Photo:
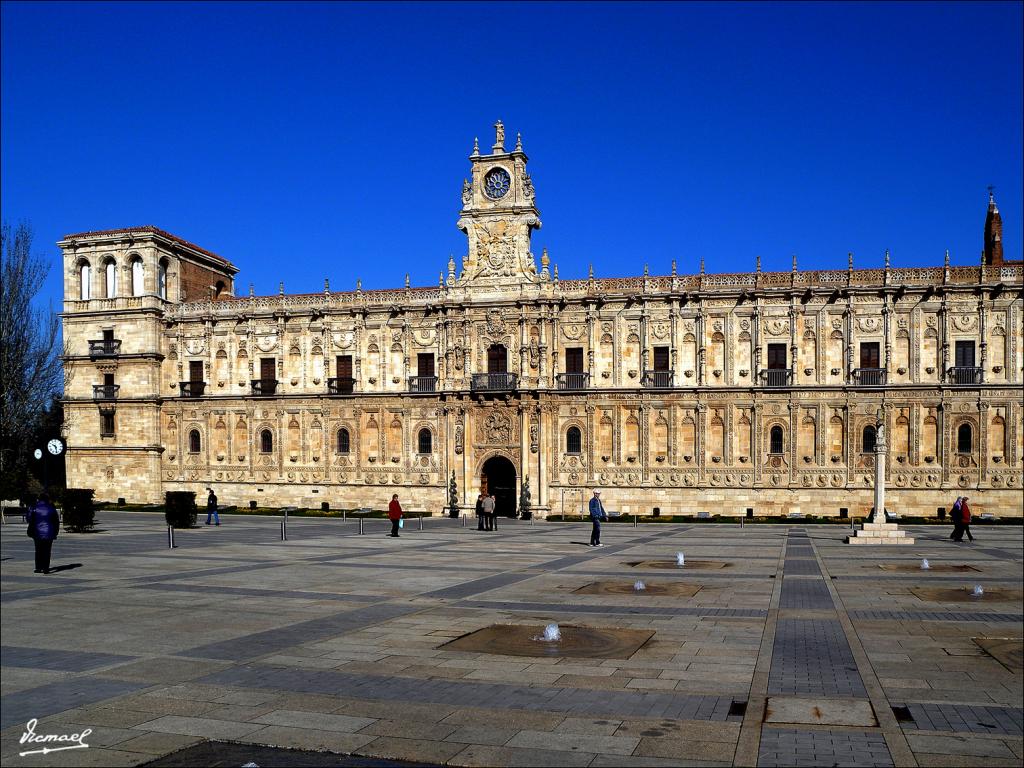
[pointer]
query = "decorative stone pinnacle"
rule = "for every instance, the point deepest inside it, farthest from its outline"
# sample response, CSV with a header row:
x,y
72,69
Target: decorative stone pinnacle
x,y
280,287
886,258
947,257
359,284
849,260
702,265
252,290
440,279
476,147
590,272
647,270
794,262
519,142
544,260
757,261
327,285
673,267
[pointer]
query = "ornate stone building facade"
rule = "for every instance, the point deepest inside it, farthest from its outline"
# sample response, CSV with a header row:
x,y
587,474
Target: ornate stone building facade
x,y
717,392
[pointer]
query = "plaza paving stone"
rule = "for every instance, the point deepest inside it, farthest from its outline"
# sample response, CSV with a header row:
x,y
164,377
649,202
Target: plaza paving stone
x,y
335,642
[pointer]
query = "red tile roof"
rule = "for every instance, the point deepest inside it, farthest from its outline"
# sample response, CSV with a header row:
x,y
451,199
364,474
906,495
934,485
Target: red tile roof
x,y
153,230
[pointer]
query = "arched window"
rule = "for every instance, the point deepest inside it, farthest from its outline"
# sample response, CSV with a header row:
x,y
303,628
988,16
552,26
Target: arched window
x,y
425,441
867,439
161,280
137,276
195,442
218,289
266,441
573,440
110,278
85,281
776,440
344,443
964,439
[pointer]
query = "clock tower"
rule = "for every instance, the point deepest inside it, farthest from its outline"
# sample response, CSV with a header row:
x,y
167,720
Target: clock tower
x,y
498,216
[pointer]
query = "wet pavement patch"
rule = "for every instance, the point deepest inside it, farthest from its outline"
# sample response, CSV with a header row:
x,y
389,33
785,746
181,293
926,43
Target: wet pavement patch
x,y
1008,651
222,754
966,595
520,640
653,589
916,568
691,565
850,712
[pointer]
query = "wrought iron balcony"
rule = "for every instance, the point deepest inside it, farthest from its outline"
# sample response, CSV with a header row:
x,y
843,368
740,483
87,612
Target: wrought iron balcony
x,y
423,383
105,391
192,388
776,377
657,379
104,347
964,375
571,381
494,382
264,386
869,377
343,386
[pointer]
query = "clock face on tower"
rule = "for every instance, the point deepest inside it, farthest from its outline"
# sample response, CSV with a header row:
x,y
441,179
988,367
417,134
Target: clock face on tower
x,y
497,183
55,447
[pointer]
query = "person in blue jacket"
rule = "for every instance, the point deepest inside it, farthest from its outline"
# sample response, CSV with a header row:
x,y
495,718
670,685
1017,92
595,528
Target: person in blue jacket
x,y
43,526
597,514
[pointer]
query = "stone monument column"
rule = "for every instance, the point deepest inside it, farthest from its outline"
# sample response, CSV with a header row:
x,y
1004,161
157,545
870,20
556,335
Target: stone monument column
x,y
878,531
880,453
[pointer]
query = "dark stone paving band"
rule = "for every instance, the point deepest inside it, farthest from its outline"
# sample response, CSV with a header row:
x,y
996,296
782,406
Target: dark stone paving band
x,y
61,661
813,656
620,704
562,609
796,747
965,718
21,706
996,618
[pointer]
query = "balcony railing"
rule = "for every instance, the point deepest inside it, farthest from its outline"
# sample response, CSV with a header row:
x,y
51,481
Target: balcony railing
x,y
964,375
104,347
869,377
423,383
776,377
264,386
570,381
192,388
341,386
105,391
494,382
657,379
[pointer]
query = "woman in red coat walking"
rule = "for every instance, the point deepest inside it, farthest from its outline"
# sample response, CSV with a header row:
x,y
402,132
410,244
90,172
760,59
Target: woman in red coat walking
x,y
965,520
394,514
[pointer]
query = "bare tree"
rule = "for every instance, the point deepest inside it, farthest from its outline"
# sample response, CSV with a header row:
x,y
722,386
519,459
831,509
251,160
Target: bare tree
x,y
30,352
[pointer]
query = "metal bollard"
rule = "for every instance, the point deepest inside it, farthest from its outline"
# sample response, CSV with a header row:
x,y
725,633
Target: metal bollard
x,y
463,520
636,521
170,537
741,522
421,522
344,514
284,531
360,526
531,519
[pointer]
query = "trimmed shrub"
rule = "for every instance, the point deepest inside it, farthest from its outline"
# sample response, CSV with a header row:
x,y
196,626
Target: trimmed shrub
x,y
79,514
180,508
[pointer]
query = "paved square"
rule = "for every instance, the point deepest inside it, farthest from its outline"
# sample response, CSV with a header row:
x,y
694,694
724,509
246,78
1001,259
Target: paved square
x,y
338,642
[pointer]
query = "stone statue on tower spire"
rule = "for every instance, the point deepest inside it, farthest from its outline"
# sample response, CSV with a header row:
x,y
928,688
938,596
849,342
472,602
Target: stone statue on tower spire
x,y
499,137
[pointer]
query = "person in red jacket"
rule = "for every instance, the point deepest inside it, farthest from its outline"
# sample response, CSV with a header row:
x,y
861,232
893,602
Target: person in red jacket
x,y
394,514
965,520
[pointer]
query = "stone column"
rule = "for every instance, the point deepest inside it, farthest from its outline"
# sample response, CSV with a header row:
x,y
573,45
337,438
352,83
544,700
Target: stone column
x,y
880,453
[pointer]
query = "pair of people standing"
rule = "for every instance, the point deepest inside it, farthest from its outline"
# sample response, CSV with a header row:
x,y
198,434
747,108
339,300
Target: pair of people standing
x,y
485,512
961,516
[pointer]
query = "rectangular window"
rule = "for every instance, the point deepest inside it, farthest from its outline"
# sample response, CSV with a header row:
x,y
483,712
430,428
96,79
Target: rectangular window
x,y
661,358
195,370
108,335
965,354
497,359
106,423
574,360
343,365
425,364
268,369
777,357
869,355
108,381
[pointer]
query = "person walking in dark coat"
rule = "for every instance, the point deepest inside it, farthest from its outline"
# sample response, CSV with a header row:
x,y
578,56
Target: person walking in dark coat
x,y
480,512
597,514
956,515
43,526
211,508
394,514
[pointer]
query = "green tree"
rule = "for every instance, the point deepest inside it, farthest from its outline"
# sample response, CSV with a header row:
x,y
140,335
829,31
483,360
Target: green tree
x,y
31,374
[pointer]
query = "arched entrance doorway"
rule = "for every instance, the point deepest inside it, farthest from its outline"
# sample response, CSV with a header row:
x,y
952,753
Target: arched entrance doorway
x,y
498,477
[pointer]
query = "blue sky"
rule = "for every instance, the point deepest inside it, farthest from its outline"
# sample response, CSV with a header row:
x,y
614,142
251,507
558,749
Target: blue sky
x,y
304,141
